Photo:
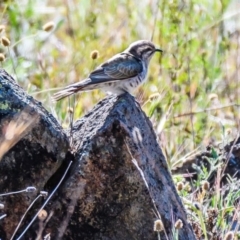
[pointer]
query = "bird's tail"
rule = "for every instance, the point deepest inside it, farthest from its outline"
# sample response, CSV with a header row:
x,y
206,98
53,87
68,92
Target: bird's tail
x,y
67,91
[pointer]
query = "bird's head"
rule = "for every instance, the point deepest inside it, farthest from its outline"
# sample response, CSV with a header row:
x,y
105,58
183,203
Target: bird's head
x,y
143,49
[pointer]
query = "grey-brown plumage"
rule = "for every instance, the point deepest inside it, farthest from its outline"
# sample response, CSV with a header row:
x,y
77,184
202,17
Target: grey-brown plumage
x,y
121,73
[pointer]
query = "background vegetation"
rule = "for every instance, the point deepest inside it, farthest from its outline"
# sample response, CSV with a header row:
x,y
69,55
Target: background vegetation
x,y
192,92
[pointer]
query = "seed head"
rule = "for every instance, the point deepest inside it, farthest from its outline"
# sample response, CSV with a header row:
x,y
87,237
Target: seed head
x,y
70,110
228,131
42,215
180,186
205,185
2,28
197,205
5,41
154,96
229,236
2,57
213,96
44,193
178,224
31,189
158,225
94,54
187,187
48,26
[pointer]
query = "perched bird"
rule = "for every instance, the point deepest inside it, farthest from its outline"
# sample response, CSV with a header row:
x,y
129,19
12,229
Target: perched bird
x,y
121,73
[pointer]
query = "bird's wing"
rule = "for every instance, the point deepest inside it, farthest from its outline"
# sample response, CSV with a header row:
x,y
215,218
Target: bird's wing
x,y
120,67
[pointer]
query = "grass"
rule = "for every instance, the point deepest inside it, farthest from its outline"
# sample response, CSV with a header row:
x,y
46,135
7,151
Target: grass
x,y
192,92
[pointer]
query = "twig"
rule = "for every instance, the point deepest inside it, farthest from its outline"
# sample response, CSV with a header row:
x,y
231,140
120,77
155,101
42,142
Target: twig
x,y
230,153
20,191
45,203
206,110
3,216
155,19
145,181
42,226
214,24
46,90
13,65
190,101
25,215
71,117
164,119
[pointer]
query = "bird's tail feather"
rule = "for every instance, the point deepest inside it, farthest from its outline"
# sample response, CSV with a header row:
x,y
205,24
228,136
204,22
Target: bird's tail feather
x,y
67,91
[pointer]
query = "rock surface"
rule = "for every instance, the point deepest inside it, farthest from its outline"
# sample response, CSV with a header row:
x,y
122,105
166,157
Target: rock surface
x,y
118,183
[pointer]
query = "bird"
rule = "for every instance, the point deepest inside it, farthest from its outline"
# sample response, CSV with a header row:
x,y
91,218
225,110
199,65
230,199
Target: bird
x,y
122,73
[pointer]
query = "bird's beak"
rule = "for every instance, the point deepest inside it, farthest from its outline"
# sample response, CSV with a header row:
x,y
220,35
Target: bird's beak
x,y
158,50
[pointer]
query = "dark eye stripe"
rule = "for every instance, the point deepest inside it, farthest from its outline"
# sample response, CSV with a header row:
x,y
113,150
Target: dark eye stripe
x,y
147,50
